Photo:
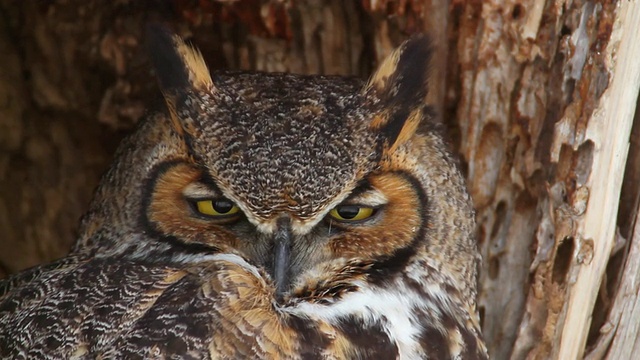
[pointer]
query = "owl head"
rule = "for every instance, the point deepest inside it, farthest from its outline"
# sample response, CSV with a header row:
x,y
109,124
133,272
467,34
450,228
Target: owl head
x,y
311,178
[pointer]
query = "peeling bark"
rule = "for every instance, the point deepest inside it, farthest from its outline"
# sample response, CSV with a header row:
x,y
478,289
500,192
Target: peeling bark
x,y
533,116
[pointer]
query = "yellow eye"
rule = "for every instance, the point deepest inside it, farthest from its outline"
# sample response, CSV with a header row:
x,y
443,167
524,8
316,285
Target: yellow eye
x,y
351,212
219,207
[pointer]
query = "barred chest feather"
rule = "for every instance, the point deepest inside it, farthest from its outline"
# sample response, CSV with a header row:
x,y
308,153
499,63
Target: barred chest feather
x,y
401,319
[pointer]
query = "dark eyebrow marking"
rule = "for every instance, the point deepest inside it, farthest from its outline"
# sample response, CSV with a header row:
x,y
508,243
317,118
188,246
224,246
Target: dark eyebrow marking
x,y
363,186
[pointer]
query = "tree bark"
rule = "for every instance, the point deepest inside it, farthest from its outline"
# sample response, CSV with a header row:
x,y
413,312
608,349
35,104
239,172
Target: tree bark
x,y
539,98
545,142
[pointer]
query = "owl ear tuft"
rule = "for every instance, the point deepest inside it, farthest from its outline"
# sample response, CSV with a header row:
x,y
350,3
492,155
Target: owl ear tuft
x,y
180,68
398,89
178,65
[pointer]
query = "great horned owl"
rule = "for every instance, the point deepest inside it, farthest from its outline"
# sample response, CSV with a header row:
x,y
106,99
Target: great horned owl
x,y
266,216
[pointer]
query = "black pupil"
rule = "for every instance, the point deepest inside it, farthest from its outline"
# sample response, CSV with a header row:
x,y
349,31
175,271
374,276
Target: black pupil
x,y
222,206
348,211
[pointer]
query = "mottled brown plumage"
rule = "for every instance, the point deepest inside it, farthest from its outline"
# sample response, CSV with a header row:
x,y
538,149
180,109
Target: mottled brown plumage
x,y
266,216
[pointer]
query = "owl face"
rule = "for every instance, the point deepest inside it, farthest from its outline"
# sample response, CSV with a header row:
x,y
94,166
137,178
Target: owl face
x,y
186,204
291,172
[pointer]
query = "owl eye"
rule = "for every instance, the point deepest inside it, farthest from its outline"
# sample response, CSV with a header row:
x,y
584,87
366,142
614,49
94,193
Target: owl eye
x,y
351,213
216,207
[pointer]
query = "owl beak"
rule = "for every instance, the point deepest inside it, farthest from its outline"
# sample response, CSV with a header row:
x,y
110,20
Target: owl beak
x,y
282,256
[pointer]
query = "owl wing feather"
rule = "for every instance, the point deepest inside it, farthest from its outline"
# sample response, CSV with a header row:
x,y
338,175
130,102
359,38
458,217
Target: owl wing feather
x,y
117,308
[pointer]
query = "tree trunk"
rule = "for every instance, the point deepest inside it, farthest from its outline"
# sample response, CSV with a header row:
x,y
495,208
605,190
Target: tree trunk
x,y
539,98
544,100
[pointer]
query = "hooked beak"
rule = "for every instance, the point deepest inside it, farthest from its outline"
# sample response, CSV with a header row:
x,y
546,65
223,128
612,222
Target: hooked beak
x,y
282,256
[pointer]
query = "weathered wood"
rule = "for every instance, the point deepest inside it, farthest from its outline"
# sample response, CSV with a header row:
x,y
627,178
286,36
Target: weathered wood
x,y
532,74
619,337
608,128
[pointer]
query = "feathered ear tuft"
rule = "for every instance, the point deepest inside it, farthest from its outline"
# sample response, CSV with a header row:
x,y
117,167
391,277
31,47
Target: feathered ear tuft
x,y
399,88
178,65
180,69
